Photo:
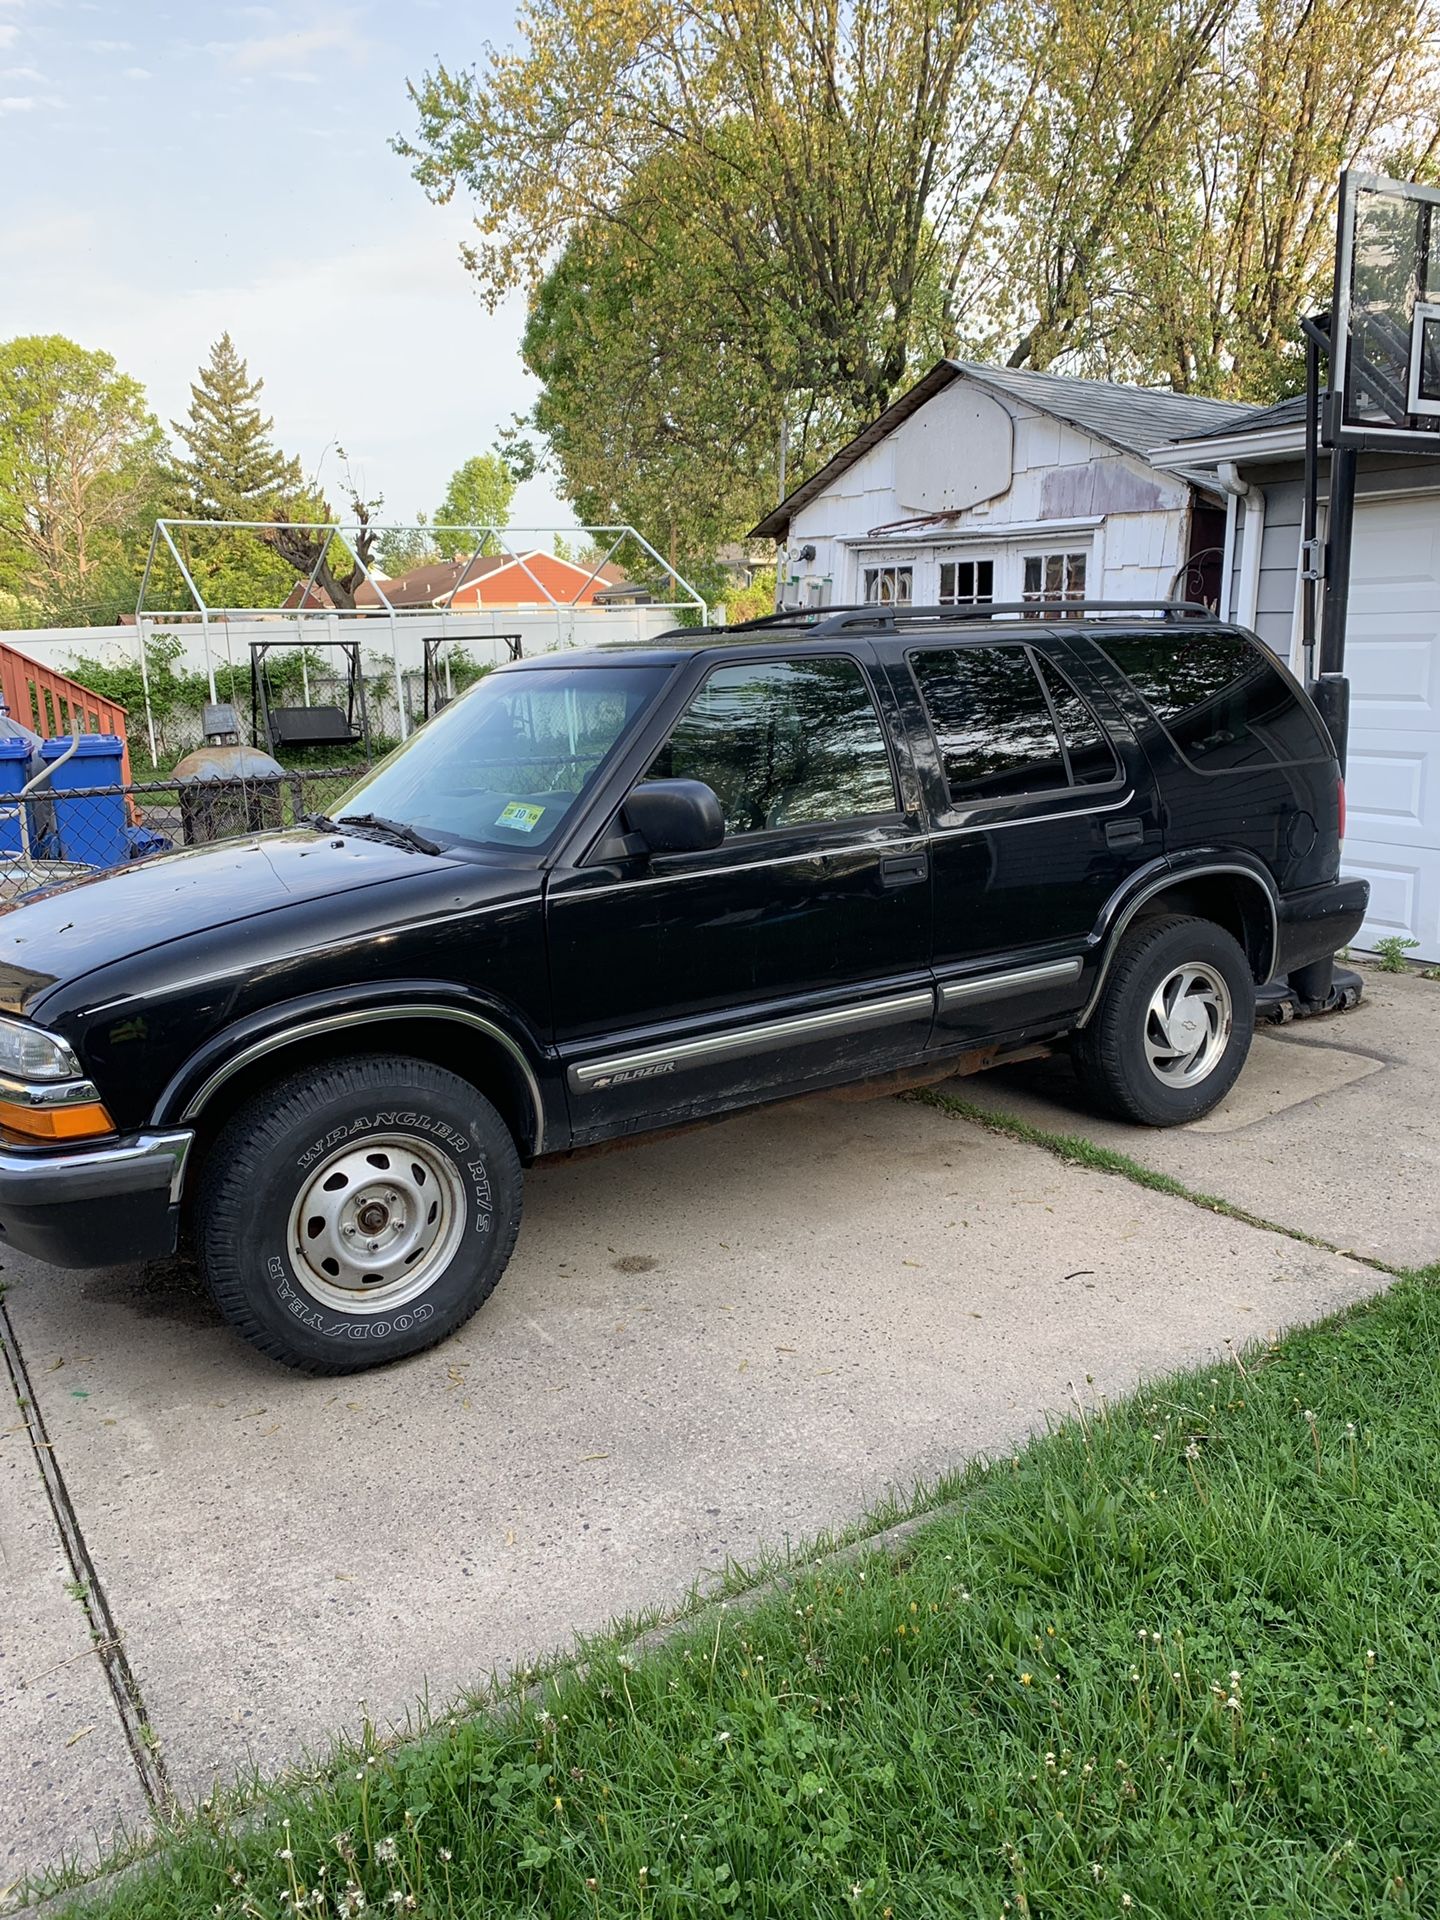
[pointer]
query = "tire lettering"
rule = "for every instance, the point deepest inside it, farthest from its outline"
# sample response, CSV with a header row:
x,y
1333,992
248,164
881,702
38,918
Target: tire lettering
x,y
344,1328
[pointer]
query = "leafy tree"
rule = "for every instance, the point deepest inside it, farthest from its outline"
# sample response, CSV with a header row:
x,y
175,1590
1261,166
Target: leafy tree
x,y
753,602
811,161
1186,158
768,215
398,549
649,412
479,495
80,476
1295,91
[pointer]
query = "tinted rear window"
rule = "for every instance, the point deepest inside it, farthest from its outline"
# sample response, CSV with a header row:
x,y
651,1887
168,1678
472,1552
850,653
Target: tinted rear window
x,y
994,726
1223,703
995,712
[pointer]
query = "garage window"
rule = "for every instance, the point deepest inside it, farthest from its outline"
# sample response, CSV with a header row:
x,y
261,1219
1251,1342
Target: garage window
x,y
889,586
966,583
1221,700
1055,576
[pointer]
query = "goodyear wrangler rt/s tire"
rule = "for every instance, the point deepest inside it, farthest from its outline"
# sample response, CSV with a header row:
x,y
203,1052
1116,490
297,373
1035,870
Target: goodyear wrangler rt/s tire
x,y
356,1213
1173,1026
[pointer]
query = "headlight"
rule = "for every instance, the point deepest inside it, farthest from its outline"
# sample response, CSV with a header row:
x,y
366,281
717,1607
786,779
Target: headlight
x,y
30,1053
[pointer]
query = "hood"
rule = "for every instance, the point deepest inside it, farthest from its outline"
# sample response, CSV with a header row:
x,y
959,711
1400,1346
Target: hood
x,y
73,929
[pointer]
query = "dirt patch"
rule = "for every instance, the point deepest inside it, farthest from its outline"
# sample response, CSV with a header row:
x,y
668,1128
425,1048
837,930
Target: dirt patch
x,y
169,1289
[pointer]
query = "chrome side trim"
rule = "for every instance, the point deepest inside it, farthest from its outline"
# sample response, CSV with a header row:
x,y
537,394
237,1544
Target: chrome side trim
x,y
362,1016
1035,819
649,1063
999,986
48,1093
1176,878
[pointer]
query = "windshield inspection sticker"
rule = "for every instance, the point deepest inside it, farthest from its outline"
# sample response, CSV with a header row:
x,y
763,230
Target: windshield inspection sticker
x,y
521,816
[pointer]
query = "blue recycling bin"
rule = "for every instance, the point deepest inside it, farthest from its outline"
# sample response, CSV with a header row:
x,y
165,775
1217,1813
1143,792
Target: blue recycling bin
x,y
14,771
91,830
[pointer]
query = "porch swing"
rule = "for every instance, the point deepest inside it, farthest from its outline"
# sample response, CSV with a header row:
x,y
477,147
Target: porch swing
x,y
310,725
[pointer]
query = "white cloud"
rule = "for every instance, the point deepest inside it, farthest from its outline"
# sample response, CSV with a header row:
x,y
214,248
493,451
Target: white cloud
x,y
8,36
289,50
28,102
109,46
136,73
22,73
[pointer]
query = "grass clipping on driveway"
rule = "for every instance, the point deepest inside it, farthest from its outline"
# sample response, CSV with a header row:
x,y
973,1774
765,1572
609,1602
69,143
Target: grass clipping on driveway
x,y
1180,1658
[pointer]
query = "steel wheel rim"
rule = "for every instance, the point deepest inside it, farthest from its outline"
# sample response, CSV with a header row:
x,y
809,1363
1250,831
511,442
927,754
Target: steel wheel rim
x,y
1188,1024
376,1223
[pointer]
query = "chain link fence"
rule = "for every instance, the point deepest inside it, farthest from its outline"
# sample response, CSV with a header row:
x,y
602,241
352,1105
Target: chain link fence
x,y
48,837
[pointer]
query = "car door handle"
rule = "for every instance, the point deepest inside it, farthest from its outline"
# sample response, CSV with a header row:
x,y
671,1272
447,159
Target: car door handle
x,y
1124,833
903,869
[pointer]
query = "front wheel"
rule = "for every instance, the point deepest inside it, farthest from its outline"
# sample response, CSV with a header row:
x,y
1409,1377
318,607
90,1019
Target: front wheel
x,y
358,1212
1173,1027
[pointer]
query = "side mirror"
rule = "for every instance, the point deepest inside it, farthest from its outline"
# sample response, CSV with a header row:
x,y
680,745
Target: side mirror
x,y
675,816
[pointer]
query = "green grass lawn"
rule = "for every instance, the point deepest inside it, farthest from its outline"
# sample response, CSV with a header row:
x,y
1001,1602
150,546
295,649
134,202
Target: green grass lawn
x,y
1182,1657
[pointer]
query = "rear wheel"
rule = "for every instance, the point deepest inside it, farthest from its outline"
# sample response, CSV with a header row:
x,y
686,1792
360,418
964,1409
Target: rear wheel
x,y
1173,1027
357,1213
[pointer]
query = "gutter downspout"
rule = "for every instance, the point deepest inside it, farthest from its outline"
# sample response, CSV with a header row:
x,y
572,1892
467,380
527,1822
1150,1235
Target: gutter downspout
x,y
1253,539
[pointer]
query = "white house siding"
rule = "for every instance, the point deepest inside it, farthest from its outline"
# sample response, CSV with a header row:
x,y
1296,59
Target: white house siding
x,y
1068,492
1279,558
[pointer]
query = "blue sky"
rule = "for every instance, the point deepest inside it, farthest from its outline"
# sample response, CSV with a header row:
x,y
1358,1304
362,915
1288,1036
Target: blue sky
x,y
168,171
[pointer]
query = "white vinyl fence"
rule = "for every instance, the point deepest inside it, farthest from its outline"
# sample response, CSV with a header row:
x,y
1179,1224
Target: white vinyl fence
x,y
392,653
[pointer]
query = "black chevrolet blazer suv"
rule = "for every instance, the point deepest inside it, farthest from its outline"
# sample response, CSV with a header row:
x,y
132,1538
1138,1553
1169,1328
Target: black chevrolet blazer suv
x,y
632,888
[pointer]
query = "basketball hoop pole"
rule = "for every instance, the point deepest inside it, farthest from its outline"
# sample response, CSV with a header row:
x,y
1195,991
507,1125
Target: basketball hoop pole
x,y
1332,684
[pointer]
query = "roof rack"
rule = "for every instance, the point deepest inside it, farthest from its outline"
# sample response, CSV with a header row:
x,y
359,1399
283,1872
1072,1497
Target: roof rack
x,y
827,620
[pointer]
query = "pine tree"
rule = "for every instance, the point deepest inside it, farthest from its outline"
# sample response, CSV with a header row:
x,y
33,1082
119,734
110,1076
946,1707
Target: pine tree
x,y
234,470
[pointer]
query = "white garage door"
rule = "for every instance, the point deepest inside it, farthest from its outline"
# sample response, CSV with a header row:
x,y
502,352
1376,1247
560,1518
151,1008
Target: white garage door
x,y
1392,654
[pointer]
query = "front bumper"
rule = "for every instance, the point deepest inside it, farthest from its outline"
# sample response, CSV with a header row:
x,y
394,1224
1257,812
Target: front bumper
x,y
94,1206
1317,923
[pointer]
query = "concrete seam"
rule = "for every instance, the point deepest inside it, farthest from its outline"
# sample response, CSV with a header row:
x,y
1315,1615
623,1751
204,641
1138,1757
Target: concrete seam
x,y
108,1645
513,1699
1026,1134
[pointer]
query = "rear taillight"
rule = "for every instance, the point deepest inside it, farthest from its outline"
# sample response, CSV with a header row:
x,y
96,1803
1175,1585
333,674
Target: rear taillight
x,y
1340,784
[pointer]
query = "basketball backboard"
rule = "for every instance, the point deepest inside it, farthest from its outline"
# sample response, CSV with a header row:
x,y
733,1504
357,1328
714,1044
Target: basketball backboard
x,y
1385,320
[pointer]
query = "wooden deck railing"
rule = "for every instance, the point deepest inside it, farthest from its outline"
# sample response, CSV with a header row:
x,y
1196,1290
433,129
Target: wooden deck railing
x,y
50,702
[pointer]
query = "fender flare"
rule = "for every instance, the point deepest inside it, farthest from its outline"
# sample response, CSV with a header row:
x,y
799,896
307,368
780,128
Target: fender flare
x,y
192,1087
1174,876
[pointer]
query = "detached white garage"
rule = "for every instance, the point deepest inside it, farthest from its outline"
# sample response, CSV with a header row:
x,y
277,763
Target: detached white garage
x,y
1392,650
1392,655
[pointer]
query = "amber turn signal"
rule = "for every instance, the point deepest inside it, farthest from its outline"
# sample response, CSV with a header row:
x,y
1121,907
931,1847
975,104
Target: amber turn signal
x,y
86,1120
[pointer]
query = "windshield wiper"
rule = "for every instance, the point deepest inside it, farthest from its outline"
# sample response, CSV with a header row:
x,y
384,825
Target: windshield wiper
x,y
396,830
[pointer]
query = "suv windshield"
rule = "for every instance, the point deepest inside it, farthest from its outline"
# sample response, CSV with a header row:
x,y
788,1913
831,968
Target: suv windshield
x,y
505,765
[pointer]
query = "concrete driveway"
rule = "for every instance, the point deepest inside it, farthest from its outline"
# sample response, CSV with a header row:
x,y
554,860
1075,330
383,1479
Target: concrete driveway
x,y
705,1346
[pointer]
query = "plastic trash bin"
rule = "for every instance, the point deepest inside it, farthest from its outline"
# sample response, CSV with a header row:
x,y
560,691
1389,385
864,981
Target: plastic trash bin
x,y
14,772
91,830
